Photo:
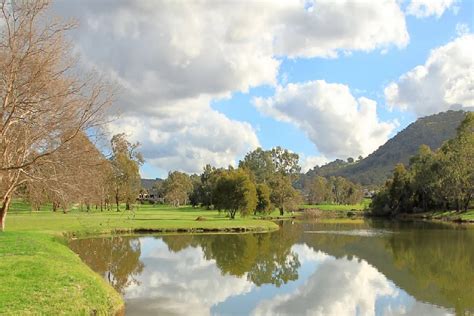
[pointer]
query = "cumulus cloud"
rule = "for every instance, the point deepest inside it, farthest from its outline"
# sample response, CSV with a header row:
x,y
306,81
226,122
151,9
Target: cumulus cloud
x,y
355,288
426,8
352,290
178,283
323,28
336,122
188,140
171,59
308,162
445,80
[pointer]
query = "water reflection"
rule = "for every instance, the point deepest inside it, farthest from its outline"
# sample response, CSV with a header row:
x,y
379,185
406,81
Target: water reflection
x,y
115,258
424,271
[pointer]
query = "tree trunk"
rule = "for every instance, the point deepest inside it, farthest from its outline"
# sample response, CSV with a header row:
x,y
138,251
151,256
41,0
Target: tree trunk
x,y
117,201
127,206
282,211
466,203
3,212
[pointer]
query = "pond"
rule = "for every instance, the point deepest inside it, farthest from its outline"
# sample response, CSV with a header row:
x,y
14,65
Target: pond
x,y
361,268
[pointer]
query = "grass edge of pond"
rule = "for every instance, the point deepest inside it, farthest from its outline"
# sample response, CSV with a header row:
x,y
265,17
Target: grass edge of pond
x,y
40,274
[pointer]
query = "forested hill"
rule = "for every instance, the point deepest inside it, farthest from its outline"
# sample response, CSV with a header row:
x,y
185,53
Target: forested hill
x,y
376,168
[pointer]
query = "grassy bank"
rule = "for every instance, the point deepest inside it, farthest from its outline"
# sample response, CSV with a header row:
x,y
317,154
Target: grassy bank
x,y
337,210
450,216
158,218
40,275
359,207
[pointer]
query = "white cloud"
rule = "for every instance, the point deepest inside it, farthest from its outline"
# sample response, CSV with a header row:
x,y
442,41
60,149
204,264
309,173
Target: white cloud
x,y
170,59
352,290
336,122
343,287
426,8
462,29
325,27
308,162
445,80
180,283
187,140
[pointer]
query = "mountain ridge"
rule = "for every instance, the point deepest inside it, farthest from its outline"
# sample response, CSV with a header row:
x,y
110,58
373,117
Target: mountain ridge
x,y
432,130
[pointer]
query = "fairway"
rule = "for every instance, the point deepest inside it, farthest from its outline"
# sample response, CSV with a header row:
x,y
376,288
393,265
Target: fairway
x,y
143,217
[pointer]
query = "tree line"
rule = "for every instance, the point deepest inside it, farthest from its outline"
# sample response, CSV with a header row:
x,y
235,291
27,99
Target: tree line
x,y
440,180
90,179
332,190
264,180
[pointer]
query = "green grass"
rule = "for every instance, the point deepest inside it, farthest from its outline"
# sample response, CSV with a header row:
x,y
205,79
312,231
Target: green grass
x,y
40,275
467,216
145,217
337,207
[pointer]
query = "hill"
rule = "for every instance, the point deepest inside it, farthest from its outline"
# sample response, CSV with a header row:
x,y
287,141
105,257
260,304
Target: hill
x,y
148,184
376,168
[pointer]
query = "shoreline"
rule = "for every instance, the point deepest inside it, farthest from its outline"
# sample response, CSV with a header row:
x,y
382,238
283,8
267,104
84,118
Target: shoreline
x,y
56,241
27,294
435,216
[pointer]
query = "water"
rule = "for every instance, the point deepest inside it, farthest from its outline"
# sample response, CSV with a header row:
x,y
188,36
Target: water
x,y
370,268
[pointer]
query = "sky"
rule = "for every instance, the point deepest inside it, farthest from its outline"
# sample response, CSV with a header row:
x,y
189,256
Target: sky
x,y
205,82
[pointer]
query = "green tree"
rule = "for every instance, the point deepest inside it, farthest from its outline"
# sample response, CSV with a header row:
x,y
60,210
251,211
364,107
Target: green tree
x,y
195,195
259,162
339,187
400,191
283,195
205,191
126,162
264,203
425,171
457,157
177,188
235,192
319,191
285,161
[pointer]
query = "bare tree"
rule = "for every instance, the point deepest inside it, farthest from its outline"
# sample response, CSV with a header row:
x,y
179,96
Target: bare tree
x,y
44,103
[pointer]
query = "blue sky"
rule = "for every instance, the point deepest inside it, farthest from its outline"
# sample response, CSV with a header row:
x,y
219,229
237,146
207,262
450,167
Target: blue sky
x,y
366,72
208,81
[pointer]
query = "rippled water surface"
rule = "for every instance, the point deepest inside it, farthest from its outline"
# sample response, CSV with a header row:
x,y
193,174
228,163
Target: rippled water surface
x,y
370,268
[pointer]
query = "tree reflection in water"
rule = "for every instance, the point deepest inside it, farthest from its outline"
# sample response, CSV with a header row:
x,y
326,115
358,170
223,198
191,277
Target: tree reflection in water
x,y
432,264
116,258
263,258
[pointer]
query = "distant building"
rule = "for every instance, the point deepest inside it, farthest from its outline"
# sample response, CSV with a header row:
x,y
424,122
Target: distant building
x,y
369,193
149,190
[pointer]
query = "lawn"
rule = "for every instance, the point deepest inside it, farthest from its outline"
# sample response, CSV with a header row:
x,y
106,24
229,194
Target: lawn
x,y
40,275
144,217
340,207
